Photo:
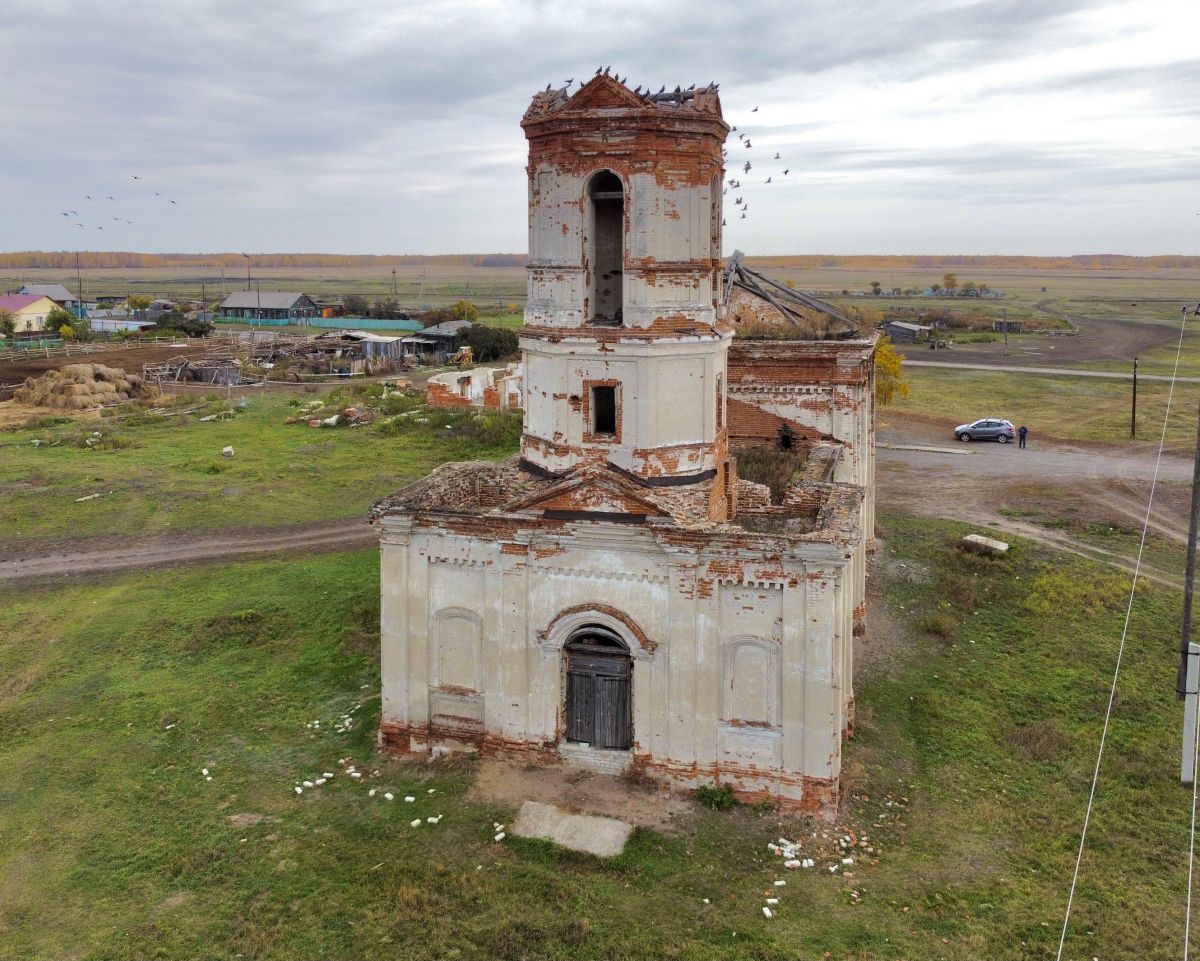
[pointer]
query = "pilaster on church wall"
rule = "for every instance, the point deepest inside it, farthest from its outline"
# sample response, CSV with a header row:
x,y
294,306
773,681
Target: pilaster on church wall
x,y
519,654
821,698
794,674
393,619
677,668
418,628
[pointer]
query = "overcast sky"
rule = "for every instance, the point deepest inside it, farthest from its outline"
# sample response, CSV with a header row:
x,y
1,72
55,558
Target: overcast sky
x,y
999,126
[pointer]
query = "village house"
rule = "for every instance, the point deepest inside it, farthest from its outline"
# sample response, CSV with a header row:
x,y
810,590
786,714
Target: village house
x,y
615,597
277,307
30,310
56,292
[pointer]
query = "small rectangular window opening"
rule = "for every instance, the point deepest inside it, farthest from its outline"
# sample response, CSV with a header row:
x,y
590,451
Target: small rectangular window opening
x,y
604,410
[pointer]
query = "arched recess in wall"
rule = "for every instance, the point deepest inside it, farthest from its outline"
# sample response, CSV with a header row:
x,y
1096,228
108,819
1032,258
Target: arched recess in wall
x,y
750,682
456,653
604,248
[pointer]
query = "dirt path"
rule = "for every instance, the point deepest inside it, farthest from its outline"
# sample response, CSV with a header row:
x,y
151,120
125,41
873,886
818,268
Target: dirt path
x,y
92,558
1098,483
1114,340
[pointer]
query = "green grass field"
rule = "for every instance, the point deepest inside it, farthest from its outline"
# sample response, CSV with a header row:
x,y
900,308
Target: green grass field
x,y
978,722
160,474
1066,408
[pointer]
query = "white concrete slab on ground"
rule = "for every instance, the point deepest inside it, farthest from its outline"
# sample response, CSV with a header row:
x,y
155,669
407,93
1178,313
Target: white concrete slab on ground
x,y
603,837
984,545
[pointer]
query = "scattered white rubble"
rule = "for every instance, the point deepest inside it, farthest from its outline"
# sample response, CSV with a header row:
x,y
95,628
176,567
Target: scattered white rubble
x,y
767,913
780,884
308,783
298,789
772,900
204,770
499,837
320,781
389,796
415,823
226,451
409,798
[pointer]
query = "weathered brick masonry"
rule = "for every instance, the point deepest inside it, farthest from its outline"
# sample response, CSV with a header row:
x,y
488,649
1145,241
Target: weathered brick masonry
x,y
615,596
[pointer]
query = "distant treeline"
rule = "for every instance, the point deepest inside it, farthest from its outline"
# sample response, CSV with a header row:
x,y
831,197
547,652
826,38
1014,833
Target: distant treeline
x,y
66,259
63,259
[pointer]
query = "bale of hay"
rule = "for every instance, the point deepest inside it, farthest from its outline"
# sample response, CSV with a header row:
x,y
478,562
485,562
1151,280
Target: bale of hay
x,y
80,386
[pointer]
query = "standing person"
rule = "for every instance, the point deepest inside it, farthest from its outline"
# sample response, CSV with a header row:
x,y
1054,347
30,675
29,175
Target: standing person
x,y
1022,431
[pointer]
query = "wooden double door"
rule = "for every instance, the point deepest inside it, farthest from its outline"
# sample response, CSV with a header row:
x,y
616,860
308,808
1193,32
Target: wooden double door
x,y
599,691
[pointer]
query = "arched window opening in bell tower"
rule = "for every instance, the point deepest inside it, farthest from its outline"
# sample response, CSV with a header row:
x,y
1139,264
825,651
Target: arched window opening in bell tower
x,y
606,240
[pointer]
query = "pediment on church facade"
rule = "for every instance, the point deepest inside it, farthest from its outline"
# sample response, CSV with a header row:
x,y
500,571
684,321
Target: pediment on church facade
x,y
603,93
591,491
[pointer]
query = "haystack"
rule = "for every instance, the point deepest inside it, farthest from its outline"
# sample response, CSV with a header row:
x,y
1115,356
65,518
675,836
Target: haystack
x,y
79,386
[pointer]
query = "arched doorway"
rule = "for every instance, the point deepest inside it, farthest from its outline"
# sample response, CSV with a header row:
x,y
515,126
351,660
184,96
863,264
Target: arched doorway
x,y
606,195
599,707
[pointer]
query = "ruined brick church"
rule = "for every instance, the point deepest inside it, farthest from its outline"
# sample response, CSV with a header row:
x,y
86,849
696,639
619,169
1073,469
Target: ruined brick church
x,y
615,596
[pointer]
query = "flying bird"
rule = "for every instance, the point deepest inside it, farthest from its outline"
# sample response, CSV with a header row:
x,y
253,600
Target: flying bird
x,y
136,177
738,201
785,171
733,129
741,136
662,88
724,222
129,221
742,217
87,197
80,226
776,156
598,69
768,180
65,214
755,110
112,198
747,168
569,82
747,143
157,194
547,90
172,201
99,228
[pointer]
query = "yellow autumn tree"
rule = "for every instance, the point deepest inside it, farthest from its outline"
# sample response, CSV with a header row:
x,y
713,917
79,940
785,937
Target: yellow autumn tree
x,y
889,375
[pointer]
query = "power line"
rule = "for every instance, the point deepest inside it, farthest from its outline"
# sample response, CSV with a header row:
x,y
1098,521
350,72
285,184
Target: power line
x,y
1087,817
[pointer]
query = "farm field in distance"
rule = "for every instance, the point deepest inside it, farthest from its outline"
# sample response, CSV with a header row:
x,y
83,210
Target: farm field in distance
x,y
981,687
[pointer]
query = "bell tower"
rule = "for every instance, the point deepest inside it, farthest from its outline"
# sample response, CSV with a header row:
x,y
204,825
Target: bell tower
x,y
624,341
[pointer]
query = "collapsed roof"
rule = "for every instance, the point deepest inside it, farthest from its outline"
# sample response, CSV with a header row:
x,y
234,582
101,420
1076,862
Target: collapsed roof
x,y
789,303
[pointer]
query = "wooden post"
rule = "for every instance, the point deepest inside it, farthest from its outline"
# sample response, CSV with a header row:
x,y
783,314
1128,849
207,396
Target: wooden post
x,y
1133,412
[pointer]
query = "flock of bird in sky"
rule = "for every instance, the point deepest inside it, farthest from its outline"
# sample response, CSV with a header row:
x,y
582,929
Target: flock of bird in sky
x,y
73,216
735,183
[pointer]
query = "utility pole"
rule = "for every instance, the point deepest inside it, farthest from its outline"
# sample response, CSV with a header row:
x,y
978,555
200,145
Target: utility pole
x,y
79,284
1187,677
247,256
1005,331
393,282
1185,635
1133,412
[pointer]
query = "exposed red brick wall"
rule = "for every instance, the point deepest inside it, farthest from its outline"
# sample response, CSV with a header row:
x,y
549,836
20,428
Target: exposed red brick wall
x,y
439,395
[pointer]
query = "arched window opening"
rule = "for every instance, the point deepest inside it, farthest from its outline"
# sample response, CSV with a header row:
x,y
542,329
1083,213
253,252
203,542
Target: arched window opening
x,y
606,196
599,705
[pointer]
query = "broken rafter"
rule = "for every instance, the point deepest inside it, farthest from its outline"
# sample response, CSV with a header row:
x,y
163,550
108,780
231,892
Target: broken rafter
x,y
737,274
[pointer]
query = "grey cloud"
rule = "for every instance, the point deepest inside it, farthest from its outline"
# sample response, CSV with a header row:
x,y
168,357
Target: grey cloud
x,y
394,126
